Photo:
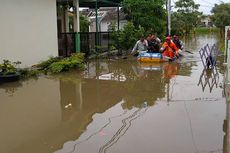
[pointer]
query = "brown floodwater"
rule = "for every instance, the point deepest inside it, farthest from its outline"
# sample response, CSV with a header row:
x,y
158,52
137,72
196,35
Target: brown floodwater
x,y
118,106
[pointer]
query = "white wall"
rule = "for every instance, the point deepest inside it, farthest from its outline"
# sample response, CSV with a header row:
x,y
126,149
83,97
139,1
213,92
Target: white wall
x,y
104,26
28,30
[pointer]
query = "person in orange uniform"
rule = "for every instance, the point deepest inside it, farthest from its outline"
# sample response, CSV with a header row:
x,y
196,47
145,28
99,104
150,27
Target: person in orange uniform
x,y
169,49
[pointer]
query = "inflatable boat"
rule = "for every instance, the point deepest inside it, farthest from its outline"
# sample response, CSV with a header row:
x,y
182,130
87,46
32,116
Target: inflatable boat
x,y
149,57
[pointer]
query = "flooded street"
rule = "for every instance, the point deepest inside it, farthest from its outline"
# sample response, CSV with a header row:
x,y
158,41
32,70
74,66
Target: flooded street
x,y
118,106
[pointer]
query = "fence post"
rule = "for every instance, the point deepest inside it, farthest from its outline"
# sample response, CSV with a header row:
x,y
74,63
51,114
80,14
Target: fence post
x,y
77,25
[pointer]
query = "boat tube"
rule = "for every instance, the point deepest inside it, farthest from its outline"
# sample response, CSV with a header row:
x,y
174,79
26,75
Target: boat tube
x,y
150,57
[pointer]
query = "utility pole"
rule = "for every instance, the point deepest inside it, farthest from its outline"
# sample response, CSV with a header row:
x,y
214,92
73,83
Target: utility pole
x,y
168,5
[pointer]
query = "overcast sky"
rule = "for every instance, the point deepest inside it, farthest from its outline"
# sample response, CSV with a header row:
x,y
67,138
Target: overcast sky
x,y
206,5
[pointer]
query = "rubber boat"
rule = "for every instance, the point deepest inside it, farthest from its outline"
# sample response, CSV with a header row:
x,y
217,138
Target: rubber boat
x,y
150,57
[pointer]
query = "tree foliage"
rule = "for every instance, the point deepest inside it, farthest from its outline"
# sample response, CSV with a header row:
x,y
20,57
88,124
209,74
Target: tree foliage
x,y
149,14
221,15
84,23
126,38
186,18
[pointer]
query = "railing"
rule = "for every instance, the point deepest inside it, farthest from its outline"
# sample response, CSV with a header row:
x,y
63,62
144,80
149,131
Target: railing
x,y
208,56
66,43
209,75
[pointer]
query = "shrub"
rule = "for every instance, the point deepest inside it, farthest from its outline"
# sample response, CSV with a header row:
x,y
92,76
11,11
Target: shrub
x,y
57,65
27,73
7,67
45,64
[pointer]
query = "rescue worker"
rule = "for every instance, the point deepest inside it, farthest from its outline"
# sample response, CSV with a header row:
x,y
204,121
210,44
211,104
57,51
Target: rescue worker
x,y
141,45
169,49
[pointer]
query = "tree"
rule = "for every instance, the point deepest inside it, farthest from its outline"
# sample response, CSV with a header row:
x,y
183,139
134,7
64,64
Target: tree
x,y
84,23
149,14
126,37
186,18
177,24
221,15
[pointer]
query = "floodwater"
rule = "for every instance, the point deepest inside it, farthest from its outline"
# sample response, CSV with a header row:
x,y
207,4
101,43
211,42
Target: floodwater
x,y
118,106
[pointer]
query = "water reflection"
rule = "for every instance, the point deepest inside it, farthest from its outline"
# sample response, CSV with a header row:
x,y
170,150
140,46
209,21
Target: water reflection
x,y
170,70
108,82
71,98
136,85
11,88
134,82
209,77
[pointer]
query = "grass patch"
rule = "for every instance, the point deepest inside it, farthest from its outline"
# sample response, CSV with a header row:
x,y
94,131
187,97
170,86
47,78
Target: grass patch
x,y
206,30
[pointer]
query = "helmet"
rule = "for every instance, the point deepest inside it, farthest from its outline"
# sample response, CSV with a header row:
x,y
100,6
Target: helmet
x,y
168,38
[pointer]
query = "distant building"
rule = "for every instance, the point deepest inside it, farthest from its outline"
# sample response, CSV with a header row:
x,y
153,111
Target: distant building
x,y
206,21
106,17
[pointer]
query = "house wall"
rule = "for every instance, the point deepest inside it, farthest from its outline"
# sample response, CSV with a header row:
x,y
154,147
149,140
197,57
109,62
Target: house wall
x,y
28,30
104,25
123,23
207,22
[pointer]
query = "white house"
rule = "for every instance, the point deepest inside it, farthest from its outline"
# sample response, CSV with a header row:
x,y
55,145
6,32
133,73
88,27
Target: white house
x,y
106,17
28,30
206,21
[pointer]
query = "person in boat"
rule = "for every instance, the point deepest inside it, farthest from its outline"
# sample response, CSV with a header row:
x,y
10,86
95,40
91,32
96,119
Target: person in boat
x,y
149,37
169,49
154,44
178,42
141,45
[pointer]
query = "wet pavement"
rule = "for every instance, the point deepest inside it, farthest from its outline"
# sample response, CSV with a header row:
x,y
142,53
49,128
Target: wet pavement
x,y
118,106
